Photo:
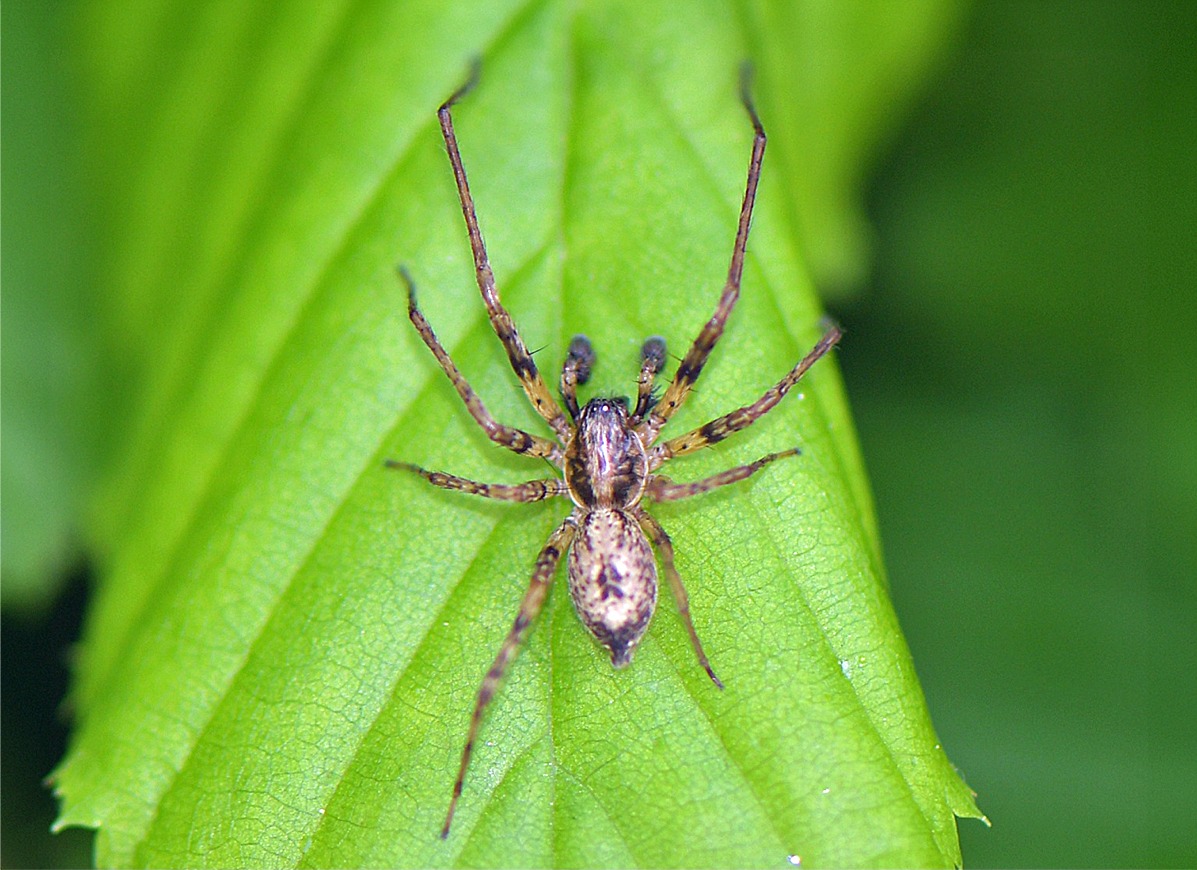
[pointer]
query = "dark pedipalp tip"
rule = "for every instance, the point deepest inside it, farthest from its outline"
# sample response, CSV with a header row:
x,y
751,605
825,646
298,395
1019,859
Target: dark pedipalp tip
x,y
581,354
653,353
581,346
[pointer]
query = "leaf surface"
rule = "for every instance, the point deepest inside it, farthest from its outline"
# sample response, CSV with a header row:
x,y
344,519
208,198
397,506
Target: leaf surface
x,y
284,654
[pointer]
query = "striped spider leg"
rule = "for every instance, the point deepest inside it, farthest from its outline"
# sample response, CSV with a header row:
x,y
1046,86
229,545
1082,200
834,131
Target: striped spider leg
x,y
521,360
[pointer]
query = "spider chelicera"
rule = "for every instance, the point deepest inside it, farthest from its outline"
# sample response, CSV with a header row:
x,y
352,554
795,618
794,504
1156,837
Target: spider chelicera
x,y
607,451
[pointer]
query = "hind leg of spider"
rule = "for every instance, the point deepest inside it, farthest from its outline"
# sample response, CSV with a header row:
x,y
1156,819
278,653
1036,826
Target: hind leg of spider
x,y
517,352
661,488
538,588
513,439
741,418
652,360
660,538
579,360
692,363
532,490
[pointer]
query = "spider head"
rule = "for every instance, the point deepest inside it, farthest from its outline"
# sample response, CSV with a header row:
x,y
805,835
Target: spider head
x,y
607,406
605,460
604,412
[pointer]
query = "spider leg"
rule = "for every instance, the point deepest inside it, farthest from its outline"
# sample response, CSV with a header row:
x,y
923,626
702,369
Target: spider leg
x,y
665,547
576,371
506,436
741,418
538,588
695,358
532,490
652,359
661,488
521,360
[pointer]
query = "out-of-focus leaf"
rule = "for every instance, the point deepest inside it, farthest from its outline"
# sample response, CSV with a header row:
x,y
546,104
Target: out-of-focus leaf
x,y
49,358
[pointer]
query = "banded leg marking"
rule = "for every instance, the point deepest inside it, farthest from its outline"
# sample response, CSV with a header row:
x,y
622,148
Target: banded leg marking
x,y
695,358
661,488
538,588
741,418
513,439
660,538
532,490
517,352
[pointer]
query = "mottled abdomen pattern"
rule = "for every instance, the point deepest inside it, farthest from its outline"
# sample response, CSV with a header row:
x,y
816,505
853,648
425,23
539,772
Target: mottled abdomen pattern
x,y
613,580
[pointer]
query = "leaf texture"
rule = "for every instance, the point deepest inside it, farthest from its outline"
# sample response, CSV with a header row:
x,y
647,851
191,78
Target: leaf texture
x,y
282,658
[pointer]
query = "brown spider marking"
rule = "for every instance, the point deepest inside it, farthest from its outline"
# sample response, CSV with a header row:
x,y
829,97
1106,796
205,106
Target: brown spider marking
x,y
607,455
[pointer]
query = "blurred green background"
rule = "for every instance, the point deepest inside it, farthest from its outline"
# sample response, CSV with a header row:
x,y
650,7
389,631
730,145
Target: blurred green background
x,y
1023,369
1022,365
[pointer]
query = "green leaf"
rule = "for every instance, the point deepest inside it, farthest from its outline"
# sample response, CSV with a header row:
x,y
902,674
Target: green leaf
x,y
49,357
282,660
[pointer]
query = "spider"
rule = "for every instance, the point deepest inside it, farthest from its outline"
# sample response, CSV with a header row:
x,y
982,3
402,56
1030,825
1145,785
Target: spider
x,y
607,451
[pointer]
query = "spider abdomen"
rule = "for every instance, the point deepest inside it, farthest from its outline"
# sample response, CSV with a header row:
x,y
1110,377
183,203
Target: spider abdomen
x,y
613,580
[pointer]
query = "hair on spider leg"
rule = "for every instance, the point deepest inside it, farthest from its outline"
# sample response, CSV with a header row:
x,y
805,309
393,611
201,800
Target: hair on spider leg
x,y
650,400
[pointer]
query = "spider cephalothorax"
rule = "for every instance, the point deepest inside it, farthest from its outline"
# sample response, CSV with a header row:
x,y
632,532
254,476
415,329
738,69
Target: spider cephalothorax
x,y
608,456
606,465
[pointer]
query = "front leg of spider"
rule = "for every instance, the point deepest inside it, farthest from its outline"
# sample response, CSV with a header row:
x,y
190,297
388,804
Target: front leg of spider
x,y
607,453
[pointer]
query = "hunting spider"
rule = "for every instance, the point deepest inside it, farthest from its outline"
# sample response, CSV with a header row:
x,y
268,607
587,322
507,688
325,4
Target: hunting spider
x,y
607,453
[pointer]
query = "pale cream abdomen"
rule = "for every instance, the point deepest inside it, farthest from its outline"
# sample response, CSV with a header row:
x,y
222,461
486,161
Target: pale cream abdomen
x,y
613,580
